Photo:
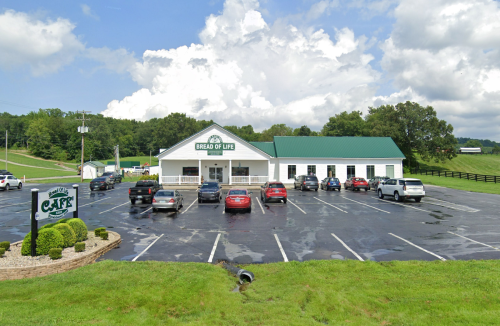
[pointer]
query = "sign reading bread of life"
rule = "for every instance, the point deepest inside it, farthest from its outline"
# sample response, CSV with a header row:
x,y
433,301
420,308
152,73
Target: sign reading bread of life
x,y
56,203
214,146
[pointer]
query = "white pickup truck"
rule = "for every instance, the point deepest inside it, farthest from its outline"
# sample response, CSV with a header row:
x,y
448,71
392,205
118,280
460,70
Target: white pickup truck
x,y
401,189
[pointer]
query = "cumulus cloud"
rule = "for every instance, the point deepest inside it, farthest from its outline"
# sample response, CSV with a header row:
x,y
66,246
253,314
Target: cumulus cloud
x,y
45,46
447,53
119,60
245,69
88,12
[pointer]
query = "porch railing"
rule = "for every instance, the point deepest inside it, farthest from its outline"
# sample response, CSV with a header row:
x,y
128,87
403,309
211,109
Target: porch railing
x,y
252,179
179,179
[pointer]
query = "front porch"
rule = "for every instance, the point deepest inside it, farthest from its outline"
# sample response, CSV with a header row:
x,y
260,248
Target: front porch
x,y
196,180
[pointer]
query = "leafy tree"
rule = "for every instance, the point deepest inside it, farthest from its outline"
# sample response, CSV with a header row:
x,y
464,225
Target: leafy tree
x,y
496,149
302,131
474,143
345,124
276,130
415,129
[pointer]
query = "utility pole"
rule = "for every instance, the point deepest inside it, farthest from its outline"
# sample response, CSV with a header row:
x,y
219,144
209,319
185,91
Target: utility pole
x,y
117,158
6,136
150,158
82,130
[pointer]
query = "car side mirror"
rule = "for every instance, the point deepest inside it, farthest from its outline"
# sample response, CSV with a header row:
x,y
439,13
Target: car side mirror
x,y
382,182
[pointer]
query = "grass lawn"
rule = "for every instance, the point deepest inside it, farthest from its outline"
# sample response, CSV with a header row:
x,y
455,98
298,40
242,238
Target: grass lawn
x,y
297,293
20,171
142,159
478,164
460,184
63,180
14,157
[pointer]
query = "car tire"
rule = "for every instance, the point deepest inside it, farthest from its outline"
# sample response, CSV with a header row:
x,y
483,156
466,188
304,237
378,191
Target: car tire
x,y
366,189
7,187
284,201
155,210
132,201
418,199
302,188
107,187
20,186
316,189
266,199
249,209
199,200
380,194
182,203
397,197
113,187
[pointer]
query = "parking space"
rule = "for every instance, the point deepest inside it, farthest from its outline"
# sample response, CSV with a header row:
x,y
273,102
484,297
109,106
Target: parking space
x,y
447,225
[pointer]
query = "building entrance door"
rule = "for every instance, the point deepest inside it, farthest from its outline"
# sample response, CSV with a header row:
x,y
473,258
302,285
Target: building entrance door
x,y
215,173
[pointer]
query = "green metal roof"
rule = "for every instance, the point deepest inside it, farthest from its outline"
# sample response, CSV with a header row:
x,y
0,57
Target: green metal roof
x,y
267,147
337,147
97,164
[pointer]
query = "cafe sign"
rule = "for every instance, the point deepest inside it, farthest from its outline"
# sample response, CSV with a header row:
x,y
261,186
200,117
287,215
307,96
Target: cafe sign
x,y
56,203
214,146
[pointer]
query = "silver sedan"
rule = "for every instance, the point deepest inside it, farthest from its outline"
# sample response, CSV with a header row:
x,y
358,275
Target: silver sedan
x,y
167,199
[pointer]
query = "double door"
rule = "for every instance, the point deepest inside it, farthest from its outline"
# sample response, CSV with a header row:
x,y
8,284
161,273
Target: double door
x,y
215,173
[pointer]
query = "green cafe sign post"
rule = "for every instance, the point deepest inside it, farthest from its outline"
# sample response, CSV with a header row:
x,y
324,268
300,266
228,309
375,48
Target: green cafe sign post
x,y
53,204
214,146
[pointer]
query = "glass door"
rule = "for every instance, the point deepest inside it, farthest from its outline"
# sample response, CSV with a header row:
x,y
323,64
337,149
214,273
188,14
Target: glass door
x,y
215,174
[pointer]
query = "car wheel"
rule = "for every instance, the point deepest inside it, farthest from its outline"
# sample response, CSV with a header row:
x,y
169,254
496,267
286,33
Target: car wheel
x,y
366,189
302,188
397,197
182,203
7,187
107,187
225,209
113,186
250,209
294,186
155,210
20,185
418,199
266,199
380,194
316,189
284,201
132,201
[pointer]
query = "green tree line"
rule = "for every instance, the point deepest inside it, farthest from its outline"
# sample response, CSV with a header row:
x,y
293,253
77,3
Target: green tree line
x,y
53,134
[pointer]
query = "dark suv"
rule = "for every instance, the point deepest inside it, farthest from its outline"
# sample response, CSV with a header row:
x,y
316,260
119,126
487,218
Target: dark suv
x,y
376,181
115,176
209,191
306,182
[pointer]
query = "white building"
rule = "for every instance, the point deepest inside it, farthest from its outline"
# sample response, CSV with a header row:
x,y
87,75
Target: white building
x,y
217,154
93,169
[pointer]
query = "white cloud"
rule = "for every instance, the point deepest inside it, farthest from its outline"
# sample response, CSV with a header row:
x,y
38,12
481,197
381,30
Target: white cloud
x,y
88,12
247,71
447,53
45,46
119,61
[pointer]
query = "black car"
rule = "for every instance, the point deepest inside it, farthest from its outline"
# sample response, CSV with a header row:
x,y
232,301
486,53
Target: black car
x,y
101,183
210,191
5,172
115,176
306,182
376,181
330,183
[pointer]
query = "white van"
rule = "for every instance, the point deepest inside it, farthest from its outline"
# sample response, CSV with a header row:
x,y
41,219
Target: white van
x,y
401,189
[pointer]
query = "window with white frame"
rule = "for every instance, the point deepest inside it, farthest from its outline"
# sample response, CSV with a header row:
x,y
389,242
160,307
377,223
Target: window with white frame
x,y
351,171
311,170
330,171
370,171
292,171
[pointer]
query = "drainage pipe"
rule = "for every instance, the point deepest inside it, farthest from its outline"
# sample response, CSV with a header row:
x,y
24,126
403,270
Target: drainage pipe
x,y
242,274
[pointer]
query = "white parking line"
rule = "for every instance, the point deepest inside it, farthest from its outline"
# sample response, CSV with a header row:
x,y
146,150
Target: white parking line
x,y
152,243
146,210
330,204
213,249
427,251
262,208
378,209
189,206
354,253
92,202
23,211
281,248
396,203
438,202
27,202
114,207
300,209
484,244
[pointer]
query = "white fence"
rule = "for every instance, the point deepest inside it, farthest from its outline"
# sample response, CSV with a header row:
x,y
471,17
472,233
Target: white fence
x,y
252,179
179,179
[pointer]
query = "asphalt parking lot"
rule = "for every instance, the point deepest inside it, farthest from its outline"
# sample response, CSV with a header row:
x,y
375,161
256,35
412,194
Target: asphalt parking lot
x,y
447,225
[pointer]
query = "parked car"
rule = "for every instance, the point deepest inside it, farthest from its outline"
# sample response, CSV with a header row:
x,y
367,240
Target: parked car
x,y
238,199
209,191
144,190
9,181
102,183
5,172
330,183
115,176
164,199
273,190
306,182
374,182
401,189
355,183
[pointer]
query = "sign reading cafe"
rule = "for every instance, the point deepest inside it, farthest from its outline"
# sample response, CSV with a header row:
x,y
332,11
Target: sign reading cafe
x,y
214,146
56,203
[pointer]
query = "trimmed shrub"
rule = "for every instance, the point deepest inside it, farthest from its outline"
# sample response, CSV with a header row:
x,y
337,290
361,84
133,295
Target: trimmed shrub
x,y
5,245
79,227
2,251
64,220
48,225
80,246
104,235
98,231
67,233
150,177
55,253
26,247
47,239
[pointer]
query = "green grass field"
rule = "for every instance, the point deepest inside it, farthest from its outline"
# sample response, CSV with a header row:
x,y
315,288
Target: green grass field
x,y
142,159
20,171
295,293
14,157
478,164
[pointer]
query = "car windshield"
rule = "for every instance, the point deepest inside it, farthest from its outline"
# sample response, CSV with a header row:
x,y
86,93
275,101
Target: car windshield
x,y
99,179
359,179
237,192
165,194
276,185
412,182
209,185
107,173
311,179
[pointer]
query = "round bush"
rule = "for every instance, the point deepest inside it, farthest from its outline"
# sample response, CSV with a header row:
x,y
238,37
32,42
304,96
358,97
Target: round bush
x,y
104,235
80,246
47,239
55,253
26,247
67,233
5,245
64,220
98,231
48,225
2,251
79,227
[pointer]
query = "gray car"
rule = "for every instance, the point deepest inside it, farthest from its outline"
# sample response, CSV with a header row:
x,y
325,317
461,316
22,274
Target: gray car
x,y
165,199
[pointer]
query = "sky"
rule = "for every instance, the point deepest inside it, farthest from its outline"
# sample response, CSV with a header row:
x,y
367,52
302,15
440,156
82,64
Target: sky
x,y
266,62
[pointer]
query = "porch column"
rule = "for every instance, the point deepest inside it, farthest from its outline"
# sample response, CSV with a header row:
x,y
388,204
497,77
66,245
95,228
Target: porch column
x,y
230,173
160,172
268,170
199,172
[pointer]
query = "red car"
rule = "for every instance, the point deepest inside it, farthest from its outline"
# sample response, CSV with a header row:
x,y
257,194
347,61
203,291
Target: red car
x,y
355,183
238,199
273,190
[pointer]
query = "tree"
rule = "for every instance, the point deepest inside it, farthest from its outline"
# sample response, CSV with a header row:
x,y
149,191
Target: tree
x,y
415,129
302,131
345,124
496,149
276,130
474,143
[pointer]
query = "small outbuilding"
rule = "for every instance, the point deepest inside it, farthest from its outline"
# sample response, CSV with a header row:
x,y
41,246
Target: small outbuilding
x,y
93,169
470,150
